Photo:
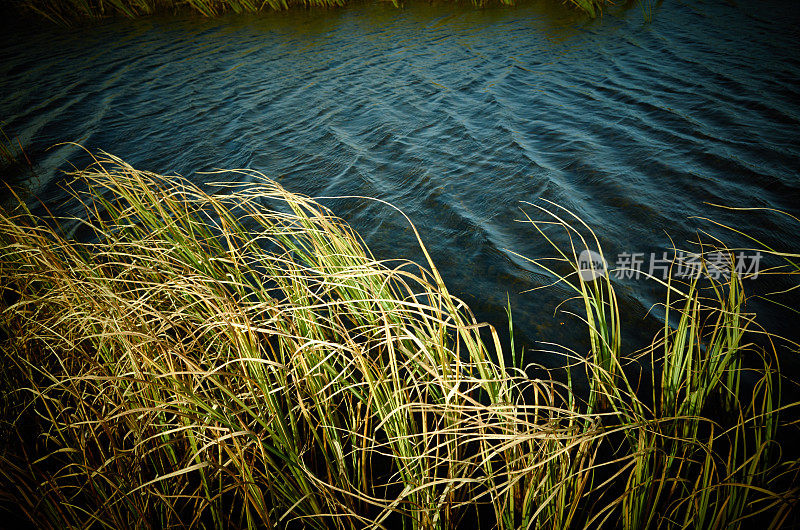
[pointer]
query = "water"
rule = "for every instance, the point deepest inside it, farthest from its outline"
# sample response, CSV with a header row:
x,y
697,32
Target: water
x,y
456,115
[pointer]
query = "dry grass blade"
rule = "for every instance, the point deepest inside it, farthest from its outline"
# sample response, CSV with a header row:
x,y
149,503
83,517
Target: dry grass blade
x,y
240,359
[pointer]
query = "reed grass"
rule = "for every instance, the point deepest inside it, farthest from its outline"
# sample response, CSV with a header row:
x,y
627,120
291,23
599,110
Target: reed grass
x,y
239,359
12,154
69,12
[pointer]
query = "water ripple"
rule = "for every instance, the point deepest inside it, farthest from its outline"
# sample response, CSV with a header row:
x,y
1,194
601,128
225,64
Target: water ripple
x,y
455,115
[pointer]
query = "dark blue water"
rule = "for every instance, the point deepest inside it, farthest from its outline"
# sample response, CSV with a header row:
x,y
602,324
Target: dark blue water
x,y
456,115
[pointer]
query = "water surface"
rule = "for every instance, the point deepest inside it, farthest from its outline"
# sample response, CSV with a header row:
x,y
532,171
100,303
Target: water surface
x,y
454,114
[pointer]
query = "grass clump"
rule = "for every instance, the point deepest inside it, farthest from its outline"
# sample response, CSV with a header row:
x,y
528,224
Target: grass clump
x,y
68,12
239,359
13,158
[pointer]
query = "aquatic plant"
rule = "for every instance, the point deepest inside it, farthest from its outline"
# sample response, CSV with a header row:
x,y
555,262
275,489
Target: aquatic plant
x,y
15,164
237,358
12,152
66,12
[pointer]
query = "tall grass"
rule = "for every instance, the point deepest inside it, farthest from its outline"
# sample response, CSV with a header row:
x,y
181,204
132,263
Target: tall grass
x,y
68,12
12,154
239,359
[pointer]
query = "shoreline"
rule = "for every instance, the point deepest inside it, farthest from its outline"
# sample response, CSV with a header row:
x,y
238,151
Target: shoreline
x,y
210,360
73,12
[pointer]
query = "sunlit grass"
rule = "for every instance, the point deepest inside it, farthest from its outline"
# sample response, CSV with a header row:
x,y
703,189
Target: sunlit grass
x,y
240,359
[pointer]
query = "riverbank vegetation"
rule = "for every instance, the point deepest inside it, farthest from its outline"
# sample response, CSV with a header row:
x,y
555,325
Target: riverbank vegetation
x,y
239,359
67,12
12,154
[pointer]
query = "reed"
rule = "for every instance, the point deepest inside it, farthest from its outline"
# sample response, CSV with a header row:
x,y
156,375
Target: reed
x,y
12,154
69,12
240,359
